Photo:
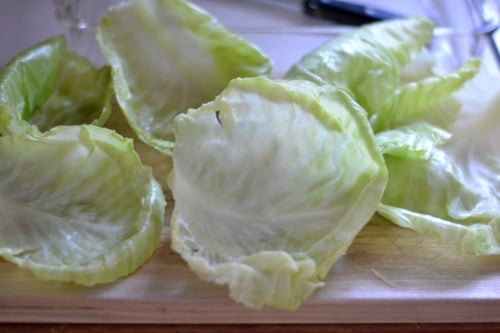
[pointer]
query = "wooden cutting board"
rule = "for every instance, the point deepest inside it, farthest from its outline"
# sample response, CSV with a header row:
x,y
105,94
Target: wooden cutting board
x,y
389,274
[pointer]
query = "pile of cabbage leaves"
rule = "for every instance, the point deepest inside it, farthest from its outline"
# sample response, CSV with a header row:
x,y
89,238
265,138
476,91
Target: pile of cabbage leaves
x,y
272,178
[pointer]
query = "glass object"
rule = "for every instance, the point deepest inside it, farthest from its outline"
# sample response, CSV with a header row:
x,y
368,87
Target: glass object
x,y
81,18
464,29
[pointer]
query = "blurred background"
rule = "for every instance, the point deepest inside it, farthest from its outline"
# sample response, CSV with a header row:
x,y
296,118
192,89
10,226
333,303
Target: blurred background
x,y
280,27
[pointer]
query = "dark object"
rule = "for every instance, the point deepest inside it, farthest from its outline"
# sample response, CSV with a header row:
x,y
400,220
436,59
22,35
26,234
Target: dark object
x,y
346,12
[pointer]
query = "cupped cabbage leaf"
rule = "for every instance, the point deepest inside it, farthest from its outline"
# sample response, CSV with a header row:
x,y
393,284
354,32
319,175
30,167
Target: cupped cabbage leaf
x,y
168,56
49,85
77,205
272,181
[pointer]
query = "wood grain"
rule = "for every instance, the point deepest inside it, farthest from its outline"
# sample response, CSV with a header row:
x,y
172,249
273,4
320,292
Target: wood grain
x,y
389,274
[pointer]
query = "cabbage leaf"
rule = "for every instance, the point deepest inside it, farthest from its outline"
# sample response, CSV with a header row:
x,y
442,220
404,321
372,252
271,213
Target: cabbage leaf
x,y
77,205
168,56
272,181
437,131
370,62
366,61
454,194
49,85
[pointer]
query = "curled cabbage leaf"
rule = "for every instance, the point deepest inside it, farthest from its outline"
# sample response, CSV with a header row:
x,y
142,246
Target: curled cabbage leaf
x,y
454,194
443,171
272,181
168,56
49,85
366,61
370,62
77,205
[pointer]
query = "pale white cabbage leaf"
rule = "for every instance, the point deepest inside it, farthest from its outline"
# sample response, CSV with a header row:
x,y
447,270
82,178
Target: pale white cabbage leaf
x,y
272,181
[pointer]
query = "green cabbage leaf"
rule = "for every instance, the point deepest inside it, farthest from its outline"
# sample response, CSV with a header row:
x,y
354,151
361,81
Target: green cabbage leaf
x,y
371,63
366,61
49,85
77,205
168,56
454,193
438,132
272,181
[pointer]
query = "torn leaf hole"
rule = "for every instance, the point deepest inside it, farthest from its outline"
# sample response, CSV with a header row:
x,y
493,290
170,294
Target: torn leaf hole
x,y
217,116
